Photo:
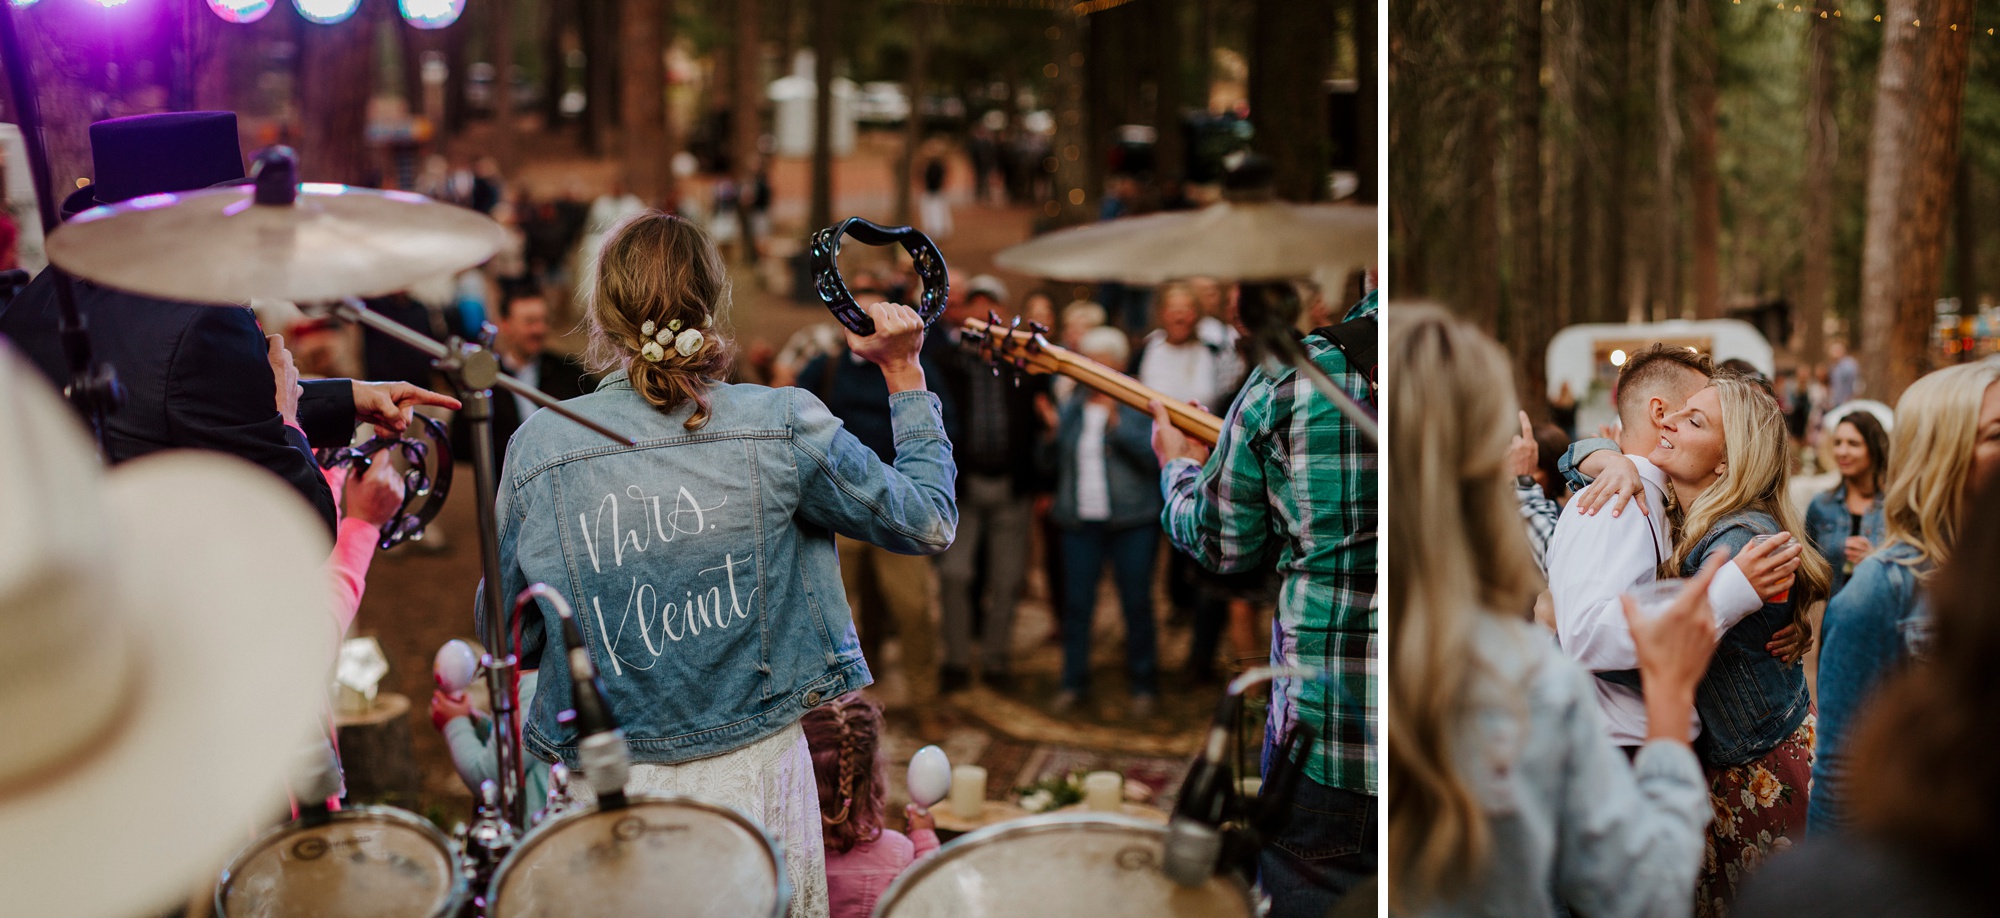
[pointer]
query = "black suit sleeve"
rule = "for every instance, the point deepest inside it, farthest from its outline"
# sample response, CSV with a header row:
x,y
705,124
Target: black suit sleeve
x,y
326,411
220,396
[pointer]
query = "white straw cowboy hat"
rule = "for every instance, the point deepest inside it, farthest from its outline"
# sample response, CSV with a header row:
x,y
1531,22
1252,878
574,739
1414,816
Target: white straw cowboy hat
x,y
165,643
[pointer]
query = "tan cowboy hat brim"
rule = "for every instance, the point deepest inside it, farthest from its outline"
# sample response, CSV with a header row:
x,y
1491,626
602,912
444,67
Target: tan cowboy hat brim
x,y
220,569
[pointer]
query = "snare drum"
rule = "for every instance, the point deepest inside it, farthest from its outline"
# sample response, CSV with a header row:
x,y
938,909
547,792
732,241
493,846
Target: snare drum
x,y
666,856
1059,866
363,862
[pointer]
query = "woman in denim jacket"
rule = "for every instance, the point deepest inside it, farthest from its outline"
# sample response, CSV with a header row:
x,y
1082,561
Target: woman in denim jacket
x,y
1726,456
1947,438
1845,521
1107,507
700,561
1504,796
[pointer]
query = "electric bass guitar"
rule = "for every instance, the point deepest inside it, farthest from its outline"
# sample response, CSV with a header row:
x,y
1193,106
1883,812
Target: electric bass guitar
x,y
1026,349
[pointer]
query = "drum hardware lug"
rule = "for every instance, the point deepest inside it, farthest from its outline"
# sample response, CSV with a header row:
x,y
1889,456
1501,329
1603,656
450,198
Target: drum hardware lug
x,y
488,841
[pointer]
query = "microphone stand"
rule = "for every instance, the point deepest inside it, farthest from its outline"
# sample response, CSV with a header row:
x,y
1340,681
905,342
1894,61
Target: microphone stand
x,y
93,390
474,372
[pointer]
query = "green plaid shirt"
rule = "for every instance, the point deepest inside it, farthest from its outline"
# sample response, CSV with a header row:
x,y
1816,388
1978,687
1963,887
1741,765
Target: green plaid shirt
x,y
1291,475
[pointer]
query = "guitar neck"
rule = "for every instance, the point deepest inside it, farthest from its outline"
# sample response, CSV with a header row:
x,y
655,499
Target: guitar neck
x,y
1087,372
1049,358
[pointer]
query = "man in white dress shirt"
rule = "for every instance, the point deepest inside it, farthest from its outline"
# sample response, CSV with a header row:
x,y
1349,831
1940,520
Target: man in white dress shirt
x,y
1593,558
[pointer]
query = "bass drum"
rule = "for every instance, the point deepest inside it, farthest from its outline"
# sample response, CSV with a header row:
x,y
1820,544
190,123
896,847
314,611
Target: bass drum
x,y
365,862
1058,866
673,857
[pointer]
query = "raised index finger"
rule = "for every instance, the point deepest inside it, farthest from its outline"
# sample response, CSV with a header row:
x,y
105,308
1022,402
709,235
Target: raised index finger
x,y
1527,429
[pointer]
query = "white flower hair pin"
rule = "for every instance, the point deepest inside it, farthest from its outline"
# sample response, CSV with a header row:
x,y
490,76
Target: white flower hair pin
x,y
688,342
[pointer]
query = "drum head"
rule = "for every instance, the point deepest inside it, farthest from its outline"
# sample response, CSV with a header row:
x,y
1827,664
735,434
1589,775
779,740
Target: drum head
x,y
659,856
369,861
1063,866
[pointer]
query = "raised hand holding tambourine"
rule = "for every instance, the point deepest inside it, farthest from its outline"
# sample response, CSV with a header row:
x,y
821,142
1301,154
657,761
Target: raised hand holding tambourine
x,y
832,288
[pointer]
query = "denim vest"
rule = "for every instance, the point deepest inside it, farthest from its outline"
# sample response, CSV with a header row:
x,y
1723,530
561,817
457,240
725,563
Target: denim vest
x,y
1828,527
1749,701
700,563
1878,623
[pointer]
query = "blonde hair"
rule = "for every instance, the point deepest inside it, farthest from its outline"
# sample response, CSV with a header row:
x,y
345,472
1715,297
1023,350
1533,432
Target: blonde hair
x,y
1930,459
658,278
1460,552
1757,477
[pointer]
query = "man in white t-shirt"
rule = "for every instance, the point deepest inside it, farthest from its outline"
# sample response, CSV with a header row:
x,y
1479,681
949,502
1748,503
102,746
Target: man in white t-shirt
x,y
1593,558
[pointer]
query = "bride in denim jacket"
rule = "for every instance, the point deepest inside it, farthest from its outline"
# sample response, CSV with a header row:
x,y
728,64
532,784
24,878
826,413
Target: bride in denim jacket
x,y
701,559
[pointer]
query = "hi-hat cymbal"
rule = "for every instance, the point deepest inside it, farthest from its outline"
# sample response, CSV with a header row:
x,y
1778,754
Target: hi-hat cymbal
x,y
219,246
1229,241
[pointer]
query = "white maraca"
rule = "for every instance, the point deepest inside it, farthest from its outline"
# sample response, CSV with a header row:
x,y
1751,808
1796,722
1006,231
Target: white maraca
x,y
930,776
455,666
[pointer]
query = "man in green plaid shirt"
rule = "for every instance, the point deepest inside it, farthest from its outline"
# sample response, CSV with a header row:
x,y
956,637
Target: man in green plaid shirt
x,y
1292,477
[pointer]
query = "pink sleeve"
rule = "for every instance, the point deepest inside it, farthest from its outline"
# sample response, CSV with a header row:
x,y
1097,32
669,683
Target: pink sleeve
x,y
925,841
353,549
348,566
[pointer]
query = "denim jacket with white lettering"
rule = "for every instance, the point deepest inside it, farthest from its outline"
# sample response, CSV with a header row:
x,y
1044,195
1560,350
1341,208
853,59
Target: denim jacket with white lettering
x,y
700,563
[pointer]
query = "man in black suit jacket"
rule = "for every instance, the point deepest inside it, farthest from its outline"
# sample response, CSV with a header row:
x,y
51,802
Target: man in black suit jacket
x,y
197,376
522,346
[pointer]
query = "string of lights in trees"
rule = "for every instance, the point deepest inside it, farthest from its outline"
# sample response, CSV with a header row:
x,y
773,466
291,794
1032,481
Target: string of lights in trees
x,y
1784,7
422,14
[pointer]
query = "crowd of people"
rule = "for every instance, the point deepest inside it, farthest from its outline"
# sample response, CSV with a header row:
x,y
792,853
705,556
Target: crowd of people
x,y
1642,737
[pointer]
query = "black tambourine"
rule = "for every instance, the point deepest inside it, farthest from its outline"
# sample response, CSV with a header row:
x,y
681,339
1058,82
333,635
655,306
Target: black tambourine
x,y
425,449
832,289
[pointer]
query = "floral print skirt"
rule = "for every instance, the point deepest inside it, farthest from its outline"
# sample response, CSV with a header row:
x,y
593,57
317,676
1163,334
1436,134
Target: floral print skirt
x,y
1760,809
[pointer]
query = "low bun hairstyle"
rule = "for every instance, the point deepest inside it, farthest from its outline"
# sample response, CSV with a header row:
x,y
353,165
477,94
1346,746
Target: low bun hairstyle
x,y
660,284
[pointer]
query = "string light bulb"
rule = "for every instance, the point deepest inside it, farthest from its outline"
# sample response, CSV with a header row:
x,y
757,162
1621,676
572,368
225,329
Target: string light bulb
x,y
241,12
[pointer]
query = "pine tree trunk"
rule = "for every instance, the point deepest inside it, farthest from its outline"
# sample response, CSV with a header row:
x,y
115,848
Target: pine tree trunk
x,y
1480,282
1822,157
923,18
335,70
1169,154
1527,299
1291,56
555,20
1913,159
600,74
644,99
1071,204
1666,188
826,44
746,121
502,25
1615,298
1704,186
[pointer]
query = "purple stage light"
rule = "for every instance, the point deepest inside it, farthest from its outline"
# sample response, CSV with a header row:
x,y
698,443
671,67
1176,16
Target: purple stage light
x,y
430,14
326,12
108,4
21,4
242,12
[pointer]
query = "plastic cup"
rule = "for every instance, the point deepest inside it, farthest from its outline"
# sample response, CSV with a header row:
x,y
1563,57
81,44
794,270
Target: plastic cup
x,y
1654,599
1787,592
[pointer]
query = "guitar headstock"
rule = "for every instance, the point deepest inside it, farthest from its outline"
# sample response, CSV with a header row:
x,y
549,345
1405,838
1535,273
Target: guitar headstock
x,y
1023,347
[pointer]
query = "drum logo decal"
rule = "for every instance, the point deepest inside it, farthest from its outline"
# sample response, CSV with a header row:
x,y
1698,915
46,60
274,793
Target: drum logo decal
x,y
1137,857
309,849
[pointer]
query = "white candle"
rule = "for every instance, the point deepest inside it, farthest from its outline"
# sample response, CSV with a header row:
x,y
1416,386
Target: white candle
x,y
968,791
1104,791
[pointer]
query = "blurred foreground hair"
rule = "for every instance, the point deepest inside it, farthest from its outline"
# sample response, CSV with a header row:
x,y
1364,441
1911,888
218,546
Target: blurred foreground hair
x,y
1926,757
1459,552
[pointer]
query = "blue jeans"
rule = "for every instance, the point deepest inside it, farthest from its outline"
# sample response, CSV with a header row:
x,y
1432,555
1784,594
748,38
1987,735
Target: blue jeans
x,y
1086,548
1326,850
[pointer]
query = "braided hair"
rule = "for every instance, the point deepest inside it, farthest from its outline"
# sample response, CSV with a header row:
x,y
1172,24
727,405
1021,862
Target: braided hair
x,y
845,736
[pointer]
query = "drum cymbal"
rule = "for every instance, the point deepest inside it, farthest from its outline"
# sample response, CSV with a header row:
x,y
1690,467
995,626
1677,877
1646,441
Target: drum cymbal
x,y
1229,241
218,246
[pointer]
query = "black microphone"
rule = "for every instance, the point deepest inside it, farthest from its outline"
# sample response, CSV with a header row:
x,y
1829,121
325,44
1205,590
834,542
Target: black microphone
x,y
1208,828
1194,831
